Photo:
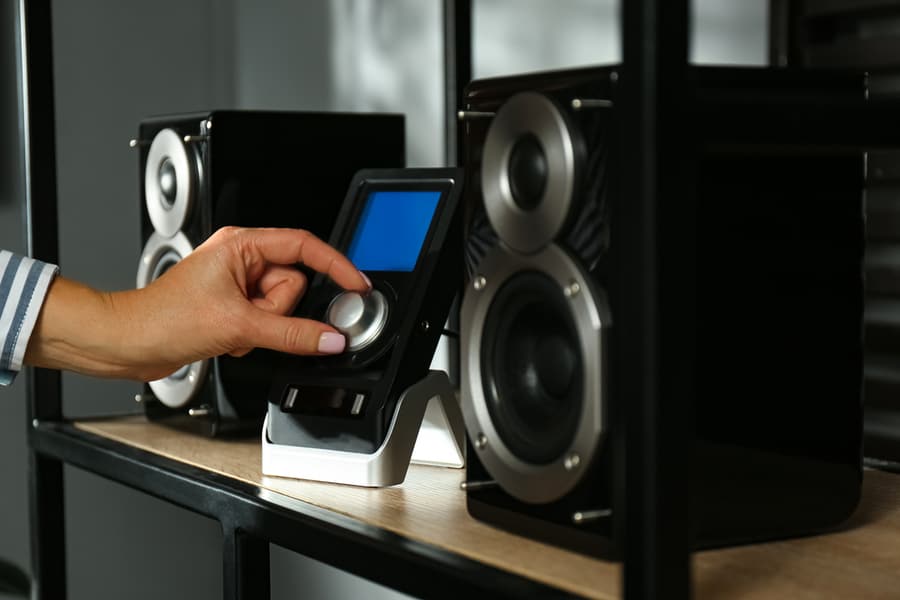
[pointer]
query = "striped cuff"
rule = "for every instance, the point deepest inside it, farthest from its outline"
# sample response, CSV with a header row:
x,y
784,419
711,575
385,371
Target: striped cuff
x,y
23,286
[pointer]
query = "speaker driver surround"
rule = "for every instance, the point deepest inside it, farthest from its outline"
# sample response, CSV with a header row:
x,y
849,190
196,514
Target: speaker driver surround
x,y
161,253
528,172
510,344
169,182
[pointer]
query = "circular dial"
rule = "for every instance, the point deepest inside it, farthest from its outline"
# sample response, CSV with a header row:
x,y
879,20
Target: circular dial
x,y
361,318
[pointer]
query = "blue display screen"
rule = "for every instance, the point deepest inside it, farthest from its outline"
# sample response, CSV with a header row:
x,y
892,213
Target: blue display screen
x,y
391,230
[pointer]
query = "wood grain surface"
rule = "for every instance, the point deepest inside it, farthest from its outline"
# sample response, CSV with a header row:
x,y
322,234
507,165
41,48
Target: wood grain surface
x,y
862,561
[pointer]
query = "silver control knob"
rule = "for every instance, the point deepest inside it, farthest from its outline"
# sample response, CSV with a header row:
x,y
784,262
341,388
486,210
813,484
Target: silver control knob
x,y
360,318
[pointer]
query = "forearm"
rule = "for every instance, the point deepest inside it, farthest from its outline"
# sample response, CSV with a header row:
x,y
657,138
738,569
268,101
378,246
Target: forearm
x,y
80,329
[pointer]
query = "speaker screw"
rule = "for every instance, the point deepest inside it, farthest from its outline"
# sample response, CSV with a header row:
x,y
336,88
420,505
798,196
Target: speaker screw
x,y
463,115
209,123
425,325
471,486
572,289
572,461
479,283
203,410
480,441
583,517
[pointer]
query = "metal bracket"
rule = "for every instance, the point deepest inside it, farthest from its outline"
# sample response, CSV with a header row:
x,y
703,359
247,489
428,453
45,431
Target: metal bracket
x,y
427,428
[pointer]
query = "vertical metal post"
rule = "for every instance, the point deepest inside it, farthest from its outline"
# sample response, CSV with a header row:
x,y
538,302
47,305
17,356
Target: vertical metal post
x,y
245,565
781,52
37,122
657,212
47,522
457,73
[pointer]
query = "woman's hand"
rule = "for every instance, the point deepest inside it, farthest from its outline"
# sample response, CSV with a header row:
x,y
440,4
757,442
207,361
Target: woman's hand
x,y
232,294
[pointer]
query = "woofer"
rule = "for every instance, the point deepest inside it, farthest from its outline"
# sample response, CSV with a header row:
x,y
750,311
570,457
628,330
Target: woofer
x,y
532,367
160,254
535,367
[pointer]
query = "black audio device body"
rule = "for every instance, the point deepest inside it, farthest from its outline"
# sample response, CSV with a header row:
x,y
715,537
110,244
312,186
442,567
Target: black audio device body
x,y
402,229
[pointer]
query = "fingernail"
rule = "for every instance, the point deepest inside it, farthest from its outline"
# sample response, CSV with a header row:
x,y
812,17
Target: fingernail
x,y
368,281
331,343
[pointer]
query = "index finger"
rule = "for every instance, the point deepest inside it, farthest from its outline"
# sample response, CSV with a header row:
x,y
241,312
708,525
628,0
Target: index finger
x,y
290,246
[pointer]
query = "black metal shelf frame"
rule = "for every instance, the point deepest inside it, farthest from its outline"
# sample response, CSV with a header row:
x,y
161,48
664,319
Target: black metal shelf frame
x,y
655,86
251,518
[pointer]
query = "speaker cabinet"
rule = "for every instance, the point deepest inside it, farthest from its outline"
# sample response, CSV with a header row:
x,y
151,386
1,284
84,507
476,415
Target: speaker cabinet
x,y
776,307
203,171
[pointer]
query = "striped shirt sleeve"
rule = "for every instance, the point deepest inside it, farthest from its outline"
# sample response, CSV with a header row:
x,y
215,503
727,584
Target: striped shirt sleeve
x,y
23,285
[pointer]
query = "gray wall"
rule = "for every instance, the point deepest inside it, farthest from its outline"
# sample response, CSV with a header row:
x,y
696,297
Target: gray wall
x,y
115,63
548,35
118,61
14,546
281,55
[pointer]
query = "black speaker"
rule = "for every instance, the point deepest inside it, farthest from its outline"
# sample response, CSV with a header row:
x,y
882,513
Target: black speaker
x,y
775,313
203,171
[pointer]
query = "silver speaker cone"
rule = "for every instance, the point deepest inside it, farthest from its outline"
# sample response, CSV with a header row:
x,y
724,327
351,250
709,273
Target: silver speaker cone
x,y
528,172
529,473
160,253
169,182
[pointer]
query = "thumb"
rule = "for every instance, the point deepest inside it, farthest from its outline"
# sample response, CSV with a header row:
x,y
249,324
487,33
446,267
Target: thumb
x,y
295,336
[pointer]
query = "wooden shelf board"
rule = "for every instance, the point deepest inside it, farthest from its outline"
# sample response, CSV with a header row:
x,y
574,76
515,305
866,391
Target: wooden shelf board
x,y
861,561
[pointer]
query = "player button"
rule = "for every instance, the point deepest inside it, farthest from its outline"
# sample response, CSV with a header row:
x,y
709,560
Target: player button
x,y
360,318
